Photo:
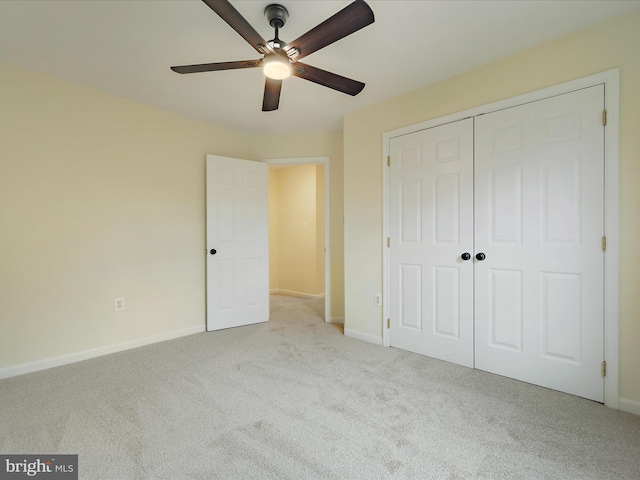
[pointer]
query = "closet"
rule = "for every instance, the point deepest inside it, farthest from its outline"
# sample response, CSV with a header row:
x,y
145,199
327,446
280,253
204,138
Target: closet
x,y
496,227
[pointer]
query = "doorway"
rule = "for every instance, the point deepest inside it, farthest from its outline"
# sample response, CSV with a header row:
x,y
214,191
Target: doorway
x,y
299,228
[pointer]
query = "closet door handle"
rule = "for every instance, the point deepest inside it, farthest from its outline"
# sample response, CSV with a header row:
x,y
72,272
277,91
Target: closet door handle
x,y
465,256
480,256
213,251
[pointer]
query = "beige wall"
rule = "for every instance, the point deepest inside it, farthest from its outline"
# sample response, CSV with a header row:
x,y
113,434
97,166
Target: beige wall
x,y
297,229
102,197
99,198
609,45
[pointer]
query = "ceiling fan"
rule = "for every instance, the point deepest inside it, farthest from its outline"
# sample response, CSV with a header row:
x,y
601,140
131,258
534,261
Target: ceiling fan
x,y
281,59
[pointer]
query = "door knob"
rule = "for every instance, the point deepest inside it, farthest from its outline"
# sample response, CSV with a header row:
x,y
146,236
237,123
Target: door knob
x,y
480,256
465,256
213,251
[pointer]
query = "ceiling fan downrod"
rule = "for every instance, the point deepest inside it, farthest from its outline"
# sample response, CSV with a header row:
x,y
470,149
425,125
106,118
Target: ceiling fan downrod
x,y
277,16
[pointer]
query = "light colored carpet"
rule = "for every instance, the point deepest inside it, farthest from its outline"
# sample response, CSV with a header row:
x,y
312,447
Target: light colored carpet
x,y
295,399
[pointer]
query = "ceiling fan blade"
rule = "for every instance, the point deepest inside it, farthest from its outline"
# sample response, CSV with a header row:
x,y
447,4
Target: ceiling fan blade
x,y
271,98
229,14
212,67
327,79
350,19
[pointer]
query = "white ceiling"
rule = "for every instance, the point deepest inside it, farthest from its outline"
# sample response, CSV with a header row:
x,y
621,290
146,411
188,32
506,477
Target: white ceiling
x,y
127,47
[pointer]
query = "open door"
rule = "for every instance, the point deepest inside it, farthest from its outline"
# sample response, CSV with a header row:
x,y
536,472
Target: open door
x,y
237,242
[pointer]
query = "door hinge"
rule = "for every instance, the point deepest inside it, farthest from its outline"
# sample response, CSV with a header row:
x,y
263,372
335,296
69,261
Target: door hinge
x,y
388,160
604,243
388,323
604,368
388,241
604,118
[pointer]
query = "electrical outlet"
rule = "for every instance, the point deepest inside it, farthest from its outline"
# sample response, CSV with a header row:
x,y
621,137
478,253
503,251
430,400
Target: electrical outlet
x,y
118,304
377,299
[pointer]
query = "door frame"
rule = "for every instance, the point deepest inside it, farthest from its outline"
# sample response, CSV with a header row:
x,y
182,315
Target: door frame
x,y
611,81
290,162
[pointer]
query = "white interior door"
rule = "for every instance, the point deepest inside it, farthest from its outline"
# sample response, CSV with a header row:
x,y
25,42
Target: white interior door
x,y
539,201
237,242
431,227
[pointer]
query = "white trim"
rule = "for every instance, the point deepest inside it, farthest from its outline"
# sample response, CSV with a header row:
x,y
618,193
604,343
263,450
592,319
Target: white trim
x,y
293,293
295,160
365,337
629,406
612,231
327,218
385,234
611,81
96,352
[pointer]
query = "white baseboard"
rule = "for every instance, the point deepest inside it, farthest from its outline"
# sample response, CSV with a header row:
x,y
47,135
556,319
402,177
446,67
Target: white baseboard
x,y
31,367
365,337
293,293
629,406
337,320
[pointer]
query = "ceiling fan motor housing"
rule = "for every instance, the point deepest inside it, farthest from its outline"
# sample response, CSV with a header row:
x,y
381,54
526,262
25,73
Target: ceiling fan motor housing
x,y
276,15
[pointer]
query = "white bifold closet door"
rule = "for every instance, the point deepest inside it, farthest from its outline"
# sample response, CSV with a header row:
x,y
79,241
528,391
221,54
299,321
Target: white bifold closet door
x,y
539,211
521,191
431,225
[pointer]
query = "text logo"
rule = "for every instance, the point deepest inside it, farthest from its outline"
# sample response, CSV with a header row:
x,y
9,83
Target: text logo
x,y
49,467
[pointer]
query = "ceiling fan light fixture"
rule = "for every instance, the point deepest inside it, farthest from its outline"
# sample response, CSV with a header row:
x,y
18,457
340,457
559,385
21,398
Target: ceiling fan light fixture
x,y
276,67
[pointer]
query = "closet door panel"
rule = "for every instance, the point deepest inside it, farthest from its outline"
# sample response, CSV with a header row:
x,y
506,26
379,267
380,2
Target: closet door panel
x,y
539,211
431,226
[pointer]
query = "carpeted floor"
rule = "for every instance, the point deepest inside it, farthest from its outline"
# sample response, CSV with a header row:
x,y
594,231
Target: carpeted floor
x,y
295,399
